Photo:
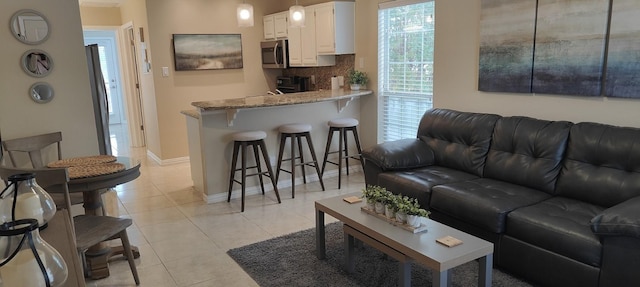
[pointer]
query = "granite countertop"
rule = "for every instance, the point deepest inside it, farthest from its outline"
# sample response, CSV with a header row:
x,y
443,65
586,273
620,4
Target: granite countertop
x,y
191,113
280,100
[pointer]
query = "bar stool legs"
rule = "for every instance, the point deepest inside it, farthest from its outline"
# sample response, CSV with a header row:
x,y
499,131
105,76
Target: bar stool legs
x,y
342,126
296,132
240,145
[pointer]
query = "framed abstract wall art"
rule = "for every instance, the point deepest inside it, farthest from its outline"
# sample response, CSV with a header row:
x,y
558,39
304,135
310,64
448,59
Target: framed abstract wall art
x,y
207,51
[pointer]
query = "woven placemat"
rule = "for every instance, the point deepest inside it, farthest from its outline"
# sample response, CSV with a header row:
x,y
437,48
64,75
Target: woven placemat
x,y
94,170
84,160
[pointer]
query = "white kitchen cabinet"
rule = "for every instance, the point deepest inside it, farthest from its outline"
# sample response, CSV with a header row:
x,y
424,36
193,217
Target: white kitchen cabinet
x,y
302,44
275,25
281,24
335,28
269,28
295,47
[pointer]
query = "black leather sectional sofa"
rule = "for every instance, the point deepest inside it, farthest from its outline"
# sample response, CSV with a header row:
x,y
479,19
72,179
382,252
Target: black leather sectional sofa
x,y
560,201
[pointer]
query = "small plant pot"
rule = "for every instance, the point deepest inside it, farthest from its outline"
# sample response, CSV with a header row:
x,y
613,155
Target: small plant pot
x,y
401,217
413,220
379,208
370,204
355,87
389,212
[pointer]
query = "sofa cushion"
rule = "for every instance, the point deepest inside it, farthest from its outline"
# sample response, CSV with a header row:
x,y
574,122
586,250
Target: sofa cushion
x,y
602,164
483,202
459,140
560,225
527,152
417,183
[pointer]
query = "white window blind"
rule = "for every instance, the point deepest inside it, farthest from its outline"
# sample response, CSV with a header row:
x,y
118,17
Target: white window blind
x,y
405,66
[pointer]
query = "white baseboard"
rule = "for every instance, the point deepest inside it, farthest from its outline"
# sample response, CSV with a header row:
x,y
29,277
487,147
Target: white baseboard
x,y
170,161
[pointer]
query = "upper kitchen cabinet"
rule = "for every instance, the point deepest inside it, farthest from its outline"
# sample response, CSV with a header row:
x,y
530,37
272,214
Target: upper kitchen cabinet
x,y
275,25
302,44
335,27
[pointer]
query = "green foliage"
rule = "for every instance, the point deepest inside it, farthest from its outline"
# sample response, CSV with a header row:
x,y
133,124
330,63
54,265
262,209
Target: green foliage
x,y
399,203
357,77
375,193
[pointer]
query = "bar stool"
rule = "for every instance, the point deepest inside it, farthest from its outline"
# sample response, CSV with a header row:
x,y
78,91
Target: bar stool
x,y
342,126
296,132
241,141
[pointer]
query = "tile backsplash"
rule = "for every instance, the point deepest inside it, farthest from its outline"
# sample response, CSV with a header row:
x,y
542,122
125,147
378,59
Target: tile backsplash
x,y
323,75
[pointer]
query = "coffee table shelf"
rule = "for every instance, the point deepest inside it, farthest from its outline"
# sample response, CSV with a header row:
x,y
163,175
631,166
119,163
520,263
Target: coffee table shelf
x,y
418,247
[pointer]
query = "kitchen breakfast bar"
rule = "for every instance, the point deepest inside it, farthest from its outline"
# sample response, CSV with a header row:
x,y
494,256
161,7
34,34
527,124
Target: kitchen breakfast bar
x,y
212,124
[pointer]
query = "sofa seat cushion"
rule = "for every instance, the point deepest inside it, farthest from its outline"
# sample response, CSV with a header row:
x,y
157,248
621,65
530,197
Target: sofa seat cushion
x,y
560,225
483,202
417,183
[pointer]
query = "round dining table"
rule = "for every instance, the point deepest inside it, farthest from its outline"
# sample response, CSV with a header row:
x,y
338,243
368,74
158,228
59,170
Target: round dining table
x,y
92,187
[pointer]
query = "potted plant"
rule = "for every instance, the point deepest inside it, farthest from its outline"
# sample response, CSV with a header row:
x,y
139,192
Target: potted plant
x,y
391,200
381,201
357,79
403,205
373,194
415,213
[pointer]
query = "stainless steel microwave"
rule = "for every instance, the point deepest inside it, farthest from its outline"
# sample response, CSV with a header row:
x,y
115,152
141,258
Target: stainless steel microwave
x,y
275,54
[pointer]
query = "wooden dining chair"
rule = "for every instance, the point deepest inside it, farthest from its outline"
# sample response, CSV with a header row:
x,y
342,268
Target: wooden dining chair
x,y
89,230
33,146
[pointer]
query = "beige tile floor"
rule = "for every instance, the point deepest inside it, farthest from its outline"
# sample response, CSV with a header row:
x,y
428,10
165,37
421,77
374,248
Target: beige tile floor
x,y
183,241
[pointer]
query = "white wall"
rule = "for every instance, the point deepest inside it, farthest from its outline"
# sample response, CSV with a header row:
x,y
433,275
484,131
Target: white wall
x,y
456,77
71,111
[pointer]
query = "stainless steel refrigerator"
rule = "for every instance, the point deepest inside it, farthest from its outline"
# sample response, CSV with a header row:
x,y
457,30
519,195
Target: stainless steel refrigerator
x,y
99,96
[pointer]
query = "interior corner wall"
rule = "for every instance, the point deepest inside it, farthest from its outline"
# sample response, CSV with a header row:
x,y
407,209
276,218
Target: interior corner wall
x,y
71,110
367,61
179,89
457,40
135,11
100,16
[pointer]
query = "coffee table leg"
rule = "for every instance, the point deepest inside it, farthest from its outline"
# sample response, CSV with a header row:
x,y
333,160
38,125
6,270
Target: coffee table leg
x,y
485,271
320,245
404,278
349,243
441,279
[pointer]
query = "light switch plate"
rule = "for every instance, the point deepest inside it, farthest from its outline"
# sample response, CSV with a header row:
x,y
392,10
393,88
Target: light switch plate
x,y
165,71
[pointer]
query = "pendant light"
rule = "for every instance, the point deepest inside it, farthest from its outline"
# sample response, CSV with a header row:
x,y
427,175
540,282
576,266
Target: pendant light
x,y
296,15
245,15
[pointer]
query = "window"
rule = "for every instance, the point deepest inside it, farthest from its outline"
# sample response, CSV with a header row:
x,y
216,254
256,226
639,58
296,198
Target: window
x,y
405,66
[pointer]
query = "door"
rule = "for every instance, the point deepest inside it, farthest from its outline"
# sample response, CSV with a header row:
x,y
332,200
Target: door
x,y
109,64
132,85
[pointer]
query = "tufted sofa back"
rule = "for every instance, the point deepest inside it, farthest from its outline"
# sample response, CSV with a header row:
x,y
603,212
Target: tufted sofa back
x,y
602,164
459,140
527,152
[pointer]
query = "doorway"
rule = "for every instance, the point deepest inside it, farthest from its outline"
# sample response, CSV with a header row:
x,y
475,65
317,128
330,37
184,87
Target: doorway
x,y
109,59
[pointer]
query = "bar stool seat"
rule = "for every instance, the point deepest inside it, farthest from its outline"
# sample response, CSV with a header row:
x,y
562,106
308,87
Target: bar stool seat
x,y
343,123
342,126
296,132
241,142
249,136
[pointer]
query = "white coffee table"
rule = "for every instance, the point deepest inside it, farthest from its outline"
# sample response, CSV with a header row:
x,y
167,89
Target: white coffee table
x,y
404,245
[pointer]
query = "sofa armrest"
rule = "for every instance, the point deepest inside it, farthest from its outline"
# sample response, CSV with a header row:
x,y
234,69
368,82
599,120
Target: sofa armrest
x,y
620,220
400,154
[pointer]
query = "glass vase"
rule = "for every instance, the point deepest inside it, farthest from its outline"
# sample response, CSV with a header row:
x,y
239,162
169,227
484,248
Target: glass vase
x,y
26,259
24,198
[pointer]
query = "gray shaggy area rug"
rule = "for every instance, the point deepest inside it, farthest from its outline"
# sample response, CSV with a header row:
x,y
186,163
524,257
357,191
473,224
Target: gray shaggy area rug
x,y
290,260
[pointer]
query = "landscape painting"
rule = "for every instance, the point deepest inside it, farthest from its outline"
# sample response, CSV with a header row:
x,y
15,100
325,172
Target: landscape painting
x,y
570,47
623,62
507,30
207,51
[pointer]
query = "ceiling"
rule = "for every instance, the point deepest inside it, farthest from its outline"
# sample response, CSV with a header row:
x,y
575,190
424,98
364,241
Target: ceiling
x,y
101,3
